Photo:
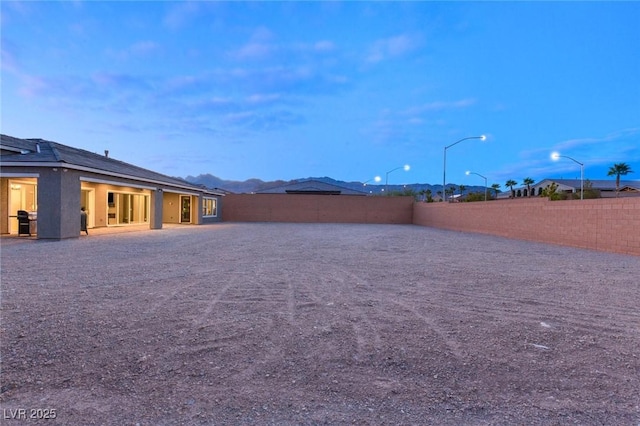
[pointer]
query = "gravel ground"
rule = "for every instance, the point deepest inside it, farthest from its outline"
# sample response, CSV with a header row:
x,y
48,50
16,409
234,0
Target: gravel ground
x,y
317,324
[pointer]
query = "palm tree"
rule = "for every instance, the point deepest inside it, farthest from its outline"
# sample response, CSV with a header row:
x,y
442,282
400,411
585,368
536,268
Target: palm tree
x,y
449,193
528,181
511,183
495,187
617,170
462,188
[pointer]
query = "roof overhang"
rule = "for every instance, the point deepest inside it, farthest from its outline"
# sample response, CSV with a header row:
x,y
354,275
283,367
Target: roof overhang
x,y
19,175
157,183
116,183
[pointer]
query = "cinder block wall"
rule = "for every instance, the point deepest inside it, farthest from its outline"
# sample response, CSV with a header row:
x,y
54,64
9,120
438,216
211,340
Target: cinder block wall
x,y
317,208
606,224
602,224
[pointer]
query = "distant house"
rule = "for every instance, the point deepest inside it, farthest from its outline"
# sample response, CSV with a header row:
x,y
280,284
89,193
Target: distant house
x,y
53,181
311,186
607,188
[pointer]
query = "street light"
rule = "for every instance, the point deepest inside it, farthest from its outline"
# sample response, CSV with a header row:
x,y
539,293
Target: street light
x,y
555,156
485,182
375,179
406,168
444,169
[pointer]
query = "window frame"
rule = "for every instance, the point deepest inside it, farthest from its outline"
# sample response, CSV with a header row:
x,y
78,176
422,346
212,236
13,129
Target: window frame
x,y
209,207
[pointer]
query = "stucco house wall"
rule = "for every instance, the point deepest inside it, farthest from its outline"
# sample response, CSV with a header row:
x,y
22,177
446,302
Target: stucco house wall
x,y
4,206
171,208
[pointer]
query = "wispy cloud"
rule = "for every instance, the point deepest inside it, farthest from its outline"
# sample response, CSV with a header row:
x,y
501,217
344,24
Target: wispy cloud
x,y
408,123
302,79
437,106
618,146
596,153
8,60
180,14
22,8
254,50
324,46
33,86
99,91
263,98
139,49
143,48
121,81
264,121
619,138
261,45
391,47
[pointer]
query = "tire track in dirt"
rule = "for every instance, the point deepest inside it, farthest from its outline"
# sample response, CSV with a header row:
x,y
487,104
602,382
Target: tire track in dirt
x,y
343,285
202,317
454,347
600,317
291,302
249,295
256,288
180,286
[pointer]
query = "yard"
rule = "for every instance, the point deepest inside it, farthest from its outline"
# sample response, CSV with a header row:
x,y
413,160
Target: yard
x,y
279,323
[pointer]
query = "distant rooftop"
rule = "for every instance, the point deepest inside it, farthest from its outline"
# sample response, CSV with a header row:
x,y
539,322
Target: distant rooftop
x,y
311,186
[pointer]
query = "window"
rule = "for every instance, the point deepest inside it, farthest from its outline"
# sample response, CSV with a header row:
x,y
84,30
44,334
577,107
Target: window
x,y
209,207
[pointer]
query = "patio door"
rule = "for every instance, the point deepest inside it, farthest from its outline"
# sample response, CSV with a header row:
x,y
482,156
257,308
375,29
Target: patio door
x,y
185,209
23,195
88,201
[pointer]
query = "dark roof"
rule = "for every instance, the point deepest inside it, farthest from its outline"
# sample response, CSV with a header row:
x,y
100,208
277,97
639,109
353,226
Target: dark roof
x,y
10,145
311,186
40,152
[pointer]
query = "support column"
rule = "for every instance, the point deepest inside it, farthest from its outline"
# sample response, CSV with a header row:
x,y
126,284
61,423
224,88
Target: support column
x,y
58,204
155,218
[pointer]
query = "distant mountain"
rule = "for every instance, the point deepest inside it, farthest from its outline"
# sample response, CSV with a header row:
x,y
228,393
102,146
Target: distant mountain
x,y
255,185
247,186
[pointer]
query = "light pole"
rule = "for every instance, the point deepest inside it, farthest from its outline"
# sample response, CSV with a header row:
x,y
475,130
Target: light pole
x,y
444,168
375,179
406,168
555,156
485,182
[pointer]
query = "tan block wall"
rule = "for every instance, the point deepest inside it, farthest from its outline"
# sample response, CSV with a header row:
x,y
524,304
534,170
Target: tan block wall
x,y
602,224
317,208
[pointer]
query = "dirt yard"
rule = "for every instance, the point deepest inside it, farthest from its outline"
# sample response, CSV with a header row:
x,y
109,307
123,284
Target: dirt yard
x,y
300,324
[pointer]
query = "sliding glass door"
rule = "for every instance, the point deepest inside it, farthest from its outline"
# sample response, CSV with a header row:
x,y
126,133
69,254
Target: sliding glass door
x,y
126,208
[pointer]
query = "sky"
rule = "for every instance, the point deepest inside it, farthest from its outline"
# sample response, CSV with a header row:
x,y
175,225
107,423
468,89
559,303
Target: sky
x,y
348,90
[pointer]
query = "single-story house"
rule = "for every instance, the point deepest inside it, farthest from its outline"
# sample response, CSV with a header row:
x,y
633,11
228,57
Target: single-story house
x,y
607,188
52,182
311,186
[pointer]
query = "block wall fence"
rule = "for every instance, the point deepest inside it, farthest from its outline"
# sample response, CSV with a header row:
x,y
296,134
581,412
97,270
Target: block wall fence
x,y
316,208
606,224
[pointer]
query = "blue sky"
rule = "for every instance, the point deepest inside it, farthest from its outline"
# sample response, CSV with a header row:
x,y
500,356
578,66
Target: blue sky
x,y
349,90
